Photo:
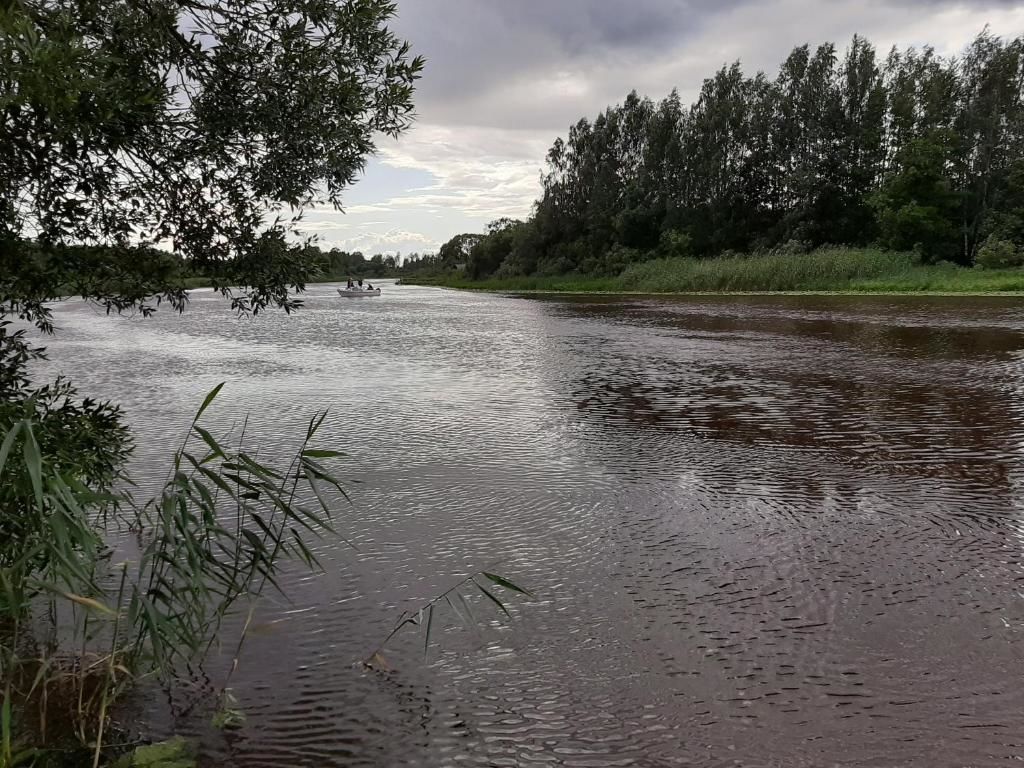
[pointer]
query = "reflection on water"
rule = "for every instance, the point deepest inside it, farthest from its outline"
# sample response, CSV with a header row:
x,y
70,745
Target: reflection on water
x,y
761,531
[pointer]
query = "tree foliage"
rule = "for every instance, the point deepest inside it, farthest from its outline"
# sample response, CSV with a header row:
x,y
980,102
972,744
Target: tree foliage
x,y
126,125
911,151
142,141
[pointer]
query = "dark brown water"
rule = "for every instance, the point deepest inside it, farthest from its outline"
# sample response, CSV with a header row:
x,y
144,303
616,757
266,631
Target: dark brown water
x,y
761,531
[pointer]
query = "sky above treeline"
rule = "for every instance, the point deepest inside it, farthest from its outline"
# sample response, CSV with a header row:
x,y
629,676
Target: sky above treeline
x,y
504,78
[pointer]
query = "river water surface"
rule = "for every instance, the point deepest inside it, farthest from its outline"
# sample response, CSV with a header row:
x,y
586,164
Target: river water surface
x,y
759,531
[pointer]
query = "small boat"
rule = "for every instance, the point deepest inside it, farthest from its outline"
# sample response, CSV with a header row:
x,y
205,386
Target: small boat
x,y
358,293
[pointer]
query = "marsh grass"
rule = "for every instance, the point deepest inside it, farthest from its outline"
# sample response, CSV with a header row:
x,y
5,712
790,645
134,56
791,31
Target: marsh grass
x,y
560,284
823,270
827,270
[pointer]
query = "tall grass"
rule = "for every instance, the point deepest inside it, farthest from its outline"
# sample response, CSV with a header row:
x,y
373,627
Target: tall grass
x,y
834,269
823,270
532,283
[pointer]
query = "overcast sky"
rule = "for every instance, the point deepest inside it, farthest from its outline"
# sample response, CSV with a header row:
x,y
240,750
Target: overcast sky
x,y
505,77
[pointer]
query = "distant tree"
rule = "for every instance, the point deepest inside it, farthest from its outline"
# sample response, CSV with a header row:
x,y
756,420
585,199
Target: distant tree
x,y
491,250
456,251
996,253
1004,217
421,264
915,150
990,129
917,206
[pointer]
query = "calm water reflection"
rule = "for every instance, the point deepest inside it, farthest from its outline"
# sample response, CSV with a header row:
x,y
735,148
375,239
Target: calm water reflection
x,y
761,531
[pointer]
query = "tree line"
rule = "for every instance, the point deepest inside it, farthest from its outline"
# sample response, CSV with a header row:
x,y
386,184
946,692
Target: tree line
x,y
337,264
912,151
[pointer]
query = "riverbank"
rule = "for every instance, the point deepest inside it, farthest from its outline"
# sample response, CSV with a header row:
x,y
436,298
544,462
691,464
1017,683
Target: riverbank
x,y
831,270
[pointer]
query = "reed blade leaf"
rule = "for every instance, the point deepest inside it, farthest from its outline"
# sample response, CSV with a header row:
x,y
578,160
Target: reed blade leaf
x,y
210,397
503,582
492,598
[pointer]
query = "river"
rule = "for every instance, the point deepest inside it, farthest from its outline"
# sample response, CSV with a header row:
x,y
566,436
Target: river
x,y
759,531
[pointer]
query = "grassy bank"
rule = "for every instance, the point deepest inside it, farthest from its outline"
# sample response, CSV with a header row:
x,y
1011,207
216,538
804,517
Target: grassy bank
x,y
829,270
564,283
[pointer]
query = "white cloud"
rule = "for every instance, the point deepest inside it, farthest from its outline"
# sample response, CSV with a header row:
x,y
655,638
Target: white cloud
x,y
389,242
484,172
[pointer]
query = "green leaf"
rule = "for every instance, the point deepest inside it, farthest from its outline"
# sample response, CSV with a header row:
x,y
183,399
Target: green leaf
x,y
307,555
258,469
465,606
208,439
314,424
217,480
90,603
9,439
493,599
206,403
426,635
316,453
462,619
502,582
33,463
25,757
6,734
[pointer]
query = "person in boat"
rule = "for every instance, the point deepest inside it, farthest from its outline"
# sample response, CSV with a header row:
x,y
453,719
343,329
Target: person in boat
x,y
360,283
350,285
369,286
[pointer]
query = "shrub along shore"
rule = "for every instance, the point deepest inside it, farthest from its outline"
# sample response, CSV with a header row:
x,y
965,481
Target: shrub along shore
x,y
827,270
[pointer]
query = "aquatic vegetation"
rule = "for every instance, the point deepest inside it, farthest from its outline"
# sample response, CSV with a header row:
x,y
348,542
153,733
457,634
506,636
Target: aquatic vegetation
x,y
834,269
84,625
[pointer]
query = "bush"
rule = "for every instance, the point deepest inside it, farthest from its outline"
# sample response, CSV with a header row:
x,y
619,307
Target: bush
x,y
675,244
611,262
997,253
792,247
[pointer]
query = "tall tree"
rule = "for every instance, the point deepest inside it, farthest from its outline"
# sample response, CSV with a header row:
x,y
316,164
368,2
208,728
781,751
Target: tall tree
x,y
989,128
917,150
917,206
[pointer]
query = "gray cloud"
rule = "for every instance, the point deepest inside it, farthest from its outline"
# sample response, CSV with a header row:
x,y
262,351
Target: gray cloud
x,y
484,57
541,64
505,77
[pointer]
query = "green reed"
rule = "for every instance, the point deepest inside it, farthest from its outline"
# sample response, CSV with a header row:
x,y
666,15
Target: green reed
x,y
827,270
823,270
77,630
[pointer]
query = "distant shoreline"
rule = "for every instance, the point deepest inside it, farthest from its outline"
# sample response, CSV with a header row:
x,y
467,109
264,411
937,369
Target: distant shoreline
x,y
829,271
667,294
833,270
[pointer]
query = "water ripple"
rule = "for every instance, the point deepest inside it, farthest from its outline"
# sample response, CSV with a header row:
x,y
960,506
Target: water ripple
x,y
761,532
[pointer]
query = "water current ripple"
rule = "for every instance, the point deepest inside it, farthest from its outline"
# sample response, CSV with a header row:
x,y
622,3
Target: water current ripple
x,y
761,531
